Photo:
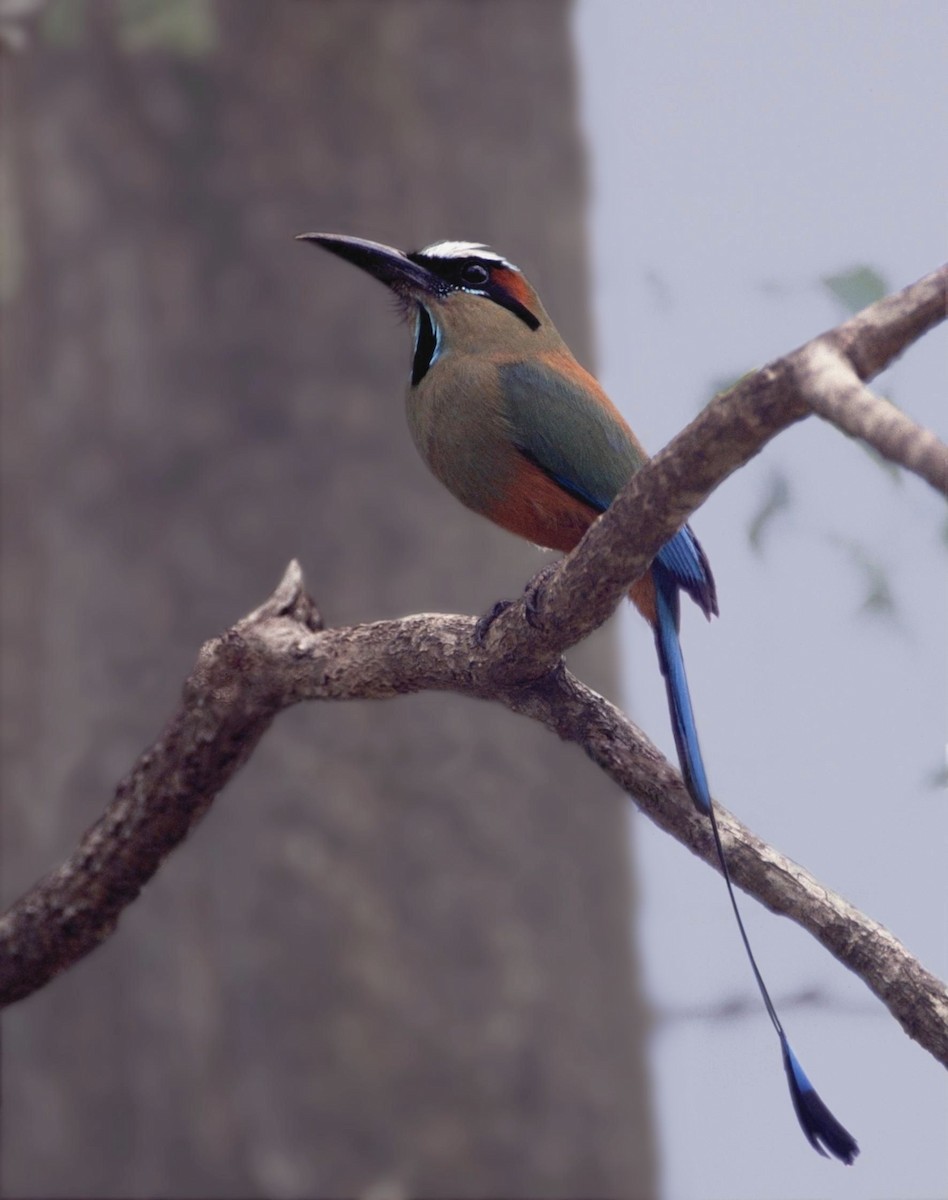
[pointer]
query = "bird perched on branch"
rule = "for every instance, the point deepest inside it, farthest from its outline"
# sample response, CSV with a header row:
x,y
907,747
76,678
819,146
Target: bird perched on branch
x,y
518,431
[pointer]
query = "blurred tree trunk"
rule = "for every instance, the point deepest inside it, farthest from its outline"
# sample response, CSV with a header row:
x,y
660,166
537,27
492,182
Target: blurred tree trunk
x,y
396,957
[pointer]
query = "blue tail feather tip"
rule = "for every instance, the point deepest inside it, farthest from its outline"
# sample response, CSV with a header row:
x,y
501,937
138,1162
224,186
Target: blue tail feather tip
x,y
821,1129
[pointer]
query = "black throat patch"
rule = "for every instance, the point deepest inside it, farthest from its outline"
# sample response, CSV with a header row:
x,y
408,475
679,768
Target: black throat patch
x,y
426,344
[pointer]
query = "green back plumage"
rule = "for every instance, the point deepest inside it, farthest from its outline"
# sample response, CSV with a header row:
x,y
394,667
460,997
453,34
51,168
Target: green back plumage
x,y
582,444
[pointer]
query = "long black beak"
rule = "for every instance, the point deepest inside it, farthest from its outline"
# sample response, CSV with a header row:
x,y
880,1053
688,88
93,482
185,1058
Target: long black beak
x,y
389,266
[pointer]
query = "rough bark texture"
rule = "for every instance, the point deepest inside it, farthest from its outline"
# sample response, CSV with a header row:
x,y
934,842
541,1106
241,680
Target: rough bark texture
x,y
278,656
398,954
281,654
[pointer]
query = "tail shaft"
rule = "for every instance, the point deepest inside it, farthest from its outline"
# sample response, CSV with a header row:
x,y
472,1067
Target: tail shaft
x,y
819,1125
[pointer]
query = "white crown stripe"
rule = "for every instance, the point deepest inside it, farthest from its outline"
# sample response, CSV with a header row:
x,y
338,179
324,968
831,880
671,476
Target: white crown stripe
x,y
465,250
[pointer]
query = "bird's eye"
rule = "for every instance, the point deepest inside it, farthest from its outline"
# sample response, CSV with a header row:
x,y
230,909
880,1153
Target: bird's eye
x,y
473,274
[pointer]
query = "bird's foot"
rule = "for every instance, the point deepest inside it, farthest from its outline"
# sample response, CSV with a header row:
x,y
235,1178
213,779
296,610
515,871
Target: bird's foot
x,y
531,605
482,628
533,593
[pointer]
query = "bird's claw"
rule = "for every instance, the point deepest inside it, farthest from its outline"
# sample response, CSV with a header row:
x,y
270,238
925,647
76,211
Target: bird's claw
x,y
531,605
482,628
533,592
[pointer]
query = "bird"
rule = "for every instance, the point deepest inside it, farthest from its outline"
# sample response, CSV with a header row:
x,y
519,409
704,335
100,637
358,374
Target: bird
x,y
518,431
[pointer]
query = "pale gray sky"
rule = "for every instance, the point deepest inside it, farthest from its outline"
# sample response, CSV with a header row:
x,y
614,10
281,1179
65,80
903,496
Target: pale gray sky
x,y
736,146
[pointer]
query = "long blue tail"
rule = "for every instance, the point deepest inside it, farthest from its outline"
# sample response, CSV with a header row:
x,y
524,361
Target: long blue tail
x,y
818,1123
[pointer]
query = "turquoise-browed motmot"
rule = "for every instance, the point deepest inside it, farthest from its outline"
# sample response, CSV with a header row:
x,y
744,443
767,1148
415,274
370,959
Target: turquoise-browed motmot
x,y
508,420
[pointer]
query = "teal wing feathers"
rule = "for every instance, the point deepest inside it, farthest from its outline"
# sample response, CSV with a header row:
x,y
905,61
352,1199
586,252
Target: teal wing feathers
x,y
555,422
588,449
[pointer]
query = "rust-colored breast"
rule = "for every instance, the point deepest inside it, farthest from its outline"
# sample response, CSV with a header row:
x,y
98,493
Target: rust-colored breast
x,y
535,507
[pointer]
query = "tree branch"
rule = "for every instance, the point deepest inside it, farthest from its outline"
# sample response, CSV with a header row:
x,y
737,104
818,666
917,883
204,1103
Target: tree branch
x,y
279,655
833,391
587,585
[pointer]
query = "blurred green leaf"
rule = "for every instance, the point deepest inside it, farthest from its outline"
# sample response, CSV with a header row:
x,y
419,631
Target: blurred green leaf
x,y
893,470
181,26
64,22
775,289
724,383
775,501
856,288
878,598
661,292
938,778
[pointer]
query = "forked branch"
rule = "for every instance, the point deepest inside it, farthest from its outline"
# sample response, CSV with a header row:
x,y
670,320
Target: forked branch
x,y
280,655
